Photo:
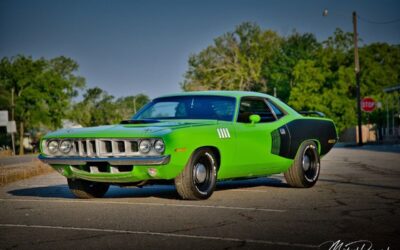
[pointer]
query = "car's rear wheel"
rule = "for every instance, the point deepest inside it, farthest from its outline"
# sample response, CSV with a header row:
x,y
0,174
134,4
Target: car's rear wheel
x,y
306,167
198,179
87,189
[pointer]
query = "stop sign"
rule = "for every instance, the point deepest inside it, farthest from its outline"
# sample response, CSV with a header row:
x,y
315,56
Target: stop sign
x,y
368,104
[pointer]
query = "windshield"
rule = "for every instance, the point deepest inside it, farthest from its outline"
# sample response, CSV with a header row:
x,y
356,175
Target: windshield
x,y
189,107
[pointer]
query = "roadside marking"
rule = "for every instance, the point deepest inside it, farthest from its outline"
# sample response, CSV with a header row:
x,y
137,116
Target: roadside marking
x,y
264,242
146,204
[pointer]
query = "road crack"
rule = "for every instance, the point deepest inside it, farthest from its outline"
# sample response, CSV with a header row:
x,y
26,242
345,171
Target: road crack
x,y
219,224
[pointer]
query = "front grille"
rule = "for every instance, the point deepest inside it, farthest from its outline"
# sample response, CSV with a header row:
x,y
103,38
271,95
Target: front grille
x,y
102,147
105,147
121,146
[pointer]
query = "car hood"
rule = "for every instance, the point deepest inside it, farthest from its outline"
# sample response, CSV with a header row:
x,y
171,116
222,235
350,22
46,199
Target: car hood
x,y
128,130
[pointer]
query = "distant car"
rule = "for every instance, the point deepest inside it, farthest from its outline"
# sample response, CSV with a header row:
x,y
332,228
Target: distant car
x,y
193,139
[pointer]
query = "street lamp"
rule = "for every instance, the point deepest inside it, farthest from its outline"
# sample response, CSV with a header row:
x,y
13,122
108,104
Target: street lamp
x,y
357,72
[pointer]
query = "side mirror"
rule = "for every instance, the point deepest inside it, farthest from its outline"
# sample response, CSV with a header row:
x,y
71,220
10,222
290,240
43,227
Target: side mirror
x,y
254,119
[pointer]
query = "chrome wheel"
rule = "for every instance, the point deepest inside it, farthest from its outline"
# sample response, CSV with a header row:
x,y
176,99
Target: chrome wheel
x,y
310,163
200,173
203,170
306,166
198,179
306,163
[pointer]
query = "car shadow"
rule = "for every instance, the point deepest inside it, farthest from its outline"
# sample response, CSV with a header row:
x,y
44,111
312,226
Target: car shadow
x,y
55,191
249,183
158,191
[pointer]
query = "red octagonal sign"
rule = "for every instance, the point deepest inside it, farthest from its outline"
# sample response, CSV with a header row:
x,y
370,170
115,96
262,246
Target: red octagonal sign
x,y
368,104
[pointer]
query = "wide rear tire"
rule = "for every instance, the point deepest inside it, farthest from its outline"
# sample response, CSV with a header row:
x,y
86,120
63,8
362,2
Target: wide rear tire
x,y
87,189
197,181
305,170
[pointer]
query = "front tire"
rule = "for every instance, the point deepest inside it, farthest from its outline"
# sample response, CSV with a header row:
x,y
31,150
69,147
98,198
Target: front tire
x,y
87,189
305,170
197,181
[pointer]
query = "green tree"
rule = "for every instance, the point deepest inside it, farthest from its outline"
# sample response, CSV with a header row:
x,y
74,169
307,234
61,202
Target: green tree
x,y
337,88
96,108
127,106
331,76
308,90
43,90
234,62
279,71
308,74
100,108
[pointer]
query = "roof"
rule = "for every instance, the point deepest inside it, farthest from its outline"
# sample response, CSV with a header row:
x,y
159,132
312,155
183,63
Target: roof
x,y
392,89
220,93
236,94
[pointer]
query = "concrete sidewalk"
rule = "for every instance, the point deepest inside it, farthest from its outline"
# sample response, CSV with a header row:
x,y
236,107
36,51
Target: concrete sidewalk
x,y
18,159
18,171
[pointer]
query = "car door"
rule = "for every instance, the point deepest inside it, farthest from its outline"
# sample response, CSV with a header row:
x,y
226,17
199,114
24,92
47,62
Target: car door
x,y
254,140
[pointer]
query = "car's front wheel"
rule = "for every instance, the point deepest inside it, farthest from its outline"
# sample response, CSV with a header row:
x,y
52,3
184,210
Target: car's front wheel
x,y
198,179
306,166
87,189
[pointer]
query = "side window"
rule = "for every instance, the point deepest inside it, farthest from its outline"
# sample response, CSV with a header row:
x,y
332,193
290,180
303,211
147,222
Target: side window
x,y
278,111
254,106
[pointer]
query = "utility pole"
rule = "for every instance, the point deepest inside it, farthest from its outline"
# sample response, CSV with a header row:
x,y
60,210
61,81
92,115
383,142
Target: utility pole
x,y
134,105
357,71
12,119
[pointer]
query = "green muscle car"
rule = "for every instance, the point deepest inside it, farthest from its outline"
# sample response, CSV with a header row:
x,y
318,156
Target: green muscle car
x,y
193,139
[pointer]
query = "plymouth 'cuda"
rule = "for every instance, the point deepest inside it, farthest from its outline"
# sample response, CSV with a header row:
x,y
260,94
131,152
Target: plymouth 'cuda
x,y
193,139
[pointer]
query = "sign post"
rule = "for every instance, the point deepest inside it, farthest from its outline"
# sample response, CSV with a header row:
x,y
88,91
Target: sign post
x,y
3,117
10,125
12,129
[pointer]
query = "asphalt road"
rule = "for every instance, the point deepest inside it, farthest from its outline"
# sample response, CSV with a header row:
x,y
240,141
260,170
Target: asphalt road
x,y
357,198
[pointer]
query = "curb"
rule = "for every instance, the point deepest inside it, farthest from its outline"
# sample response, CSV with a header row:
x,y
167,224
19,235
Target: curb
x,y
22,171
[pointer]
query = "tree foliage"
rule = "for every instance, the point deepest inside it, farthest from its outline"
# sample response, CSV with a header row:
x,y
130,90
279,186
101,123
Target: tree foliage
x,y
235,61
43,89
100,108
306,73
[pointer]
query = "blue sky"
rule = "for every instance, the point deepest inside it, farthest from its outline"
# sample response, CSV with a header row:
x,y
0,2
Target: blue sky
x,y
131,47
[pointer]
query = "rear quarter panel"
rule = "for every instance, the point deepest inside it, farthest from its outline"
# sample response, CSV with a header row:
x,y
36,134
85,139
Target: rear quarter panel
x,y
321,130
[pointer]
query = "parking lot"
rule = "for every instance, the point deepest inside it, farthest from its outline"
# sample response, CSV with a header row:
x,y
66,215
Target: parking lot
x,y
357,198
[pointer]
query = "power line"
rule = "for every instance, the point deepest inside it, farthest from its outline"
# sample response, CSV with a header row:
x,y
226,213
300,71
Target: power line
x,y
376,22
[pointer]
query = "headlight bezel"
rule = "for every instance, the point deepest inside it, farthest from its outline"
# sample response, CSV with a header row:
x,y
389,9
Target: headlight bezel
x,y
55,149
149,146
159,142
69,148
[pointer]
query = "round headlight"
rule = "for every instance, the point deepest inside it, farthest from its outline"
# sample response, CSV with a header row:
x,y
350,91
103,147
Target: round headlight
x,y
52,146
145,146
65,146
159,146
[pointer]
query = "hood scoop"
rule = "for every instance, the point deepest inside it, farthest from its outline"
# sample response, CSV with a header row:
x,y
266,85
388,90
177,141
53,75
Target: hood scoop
x,y
144,121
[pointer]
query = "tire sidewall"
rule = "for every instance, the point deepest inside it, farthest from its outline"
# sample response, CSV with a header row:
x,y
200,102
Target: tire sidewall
x,y
299,159
87,189
213,175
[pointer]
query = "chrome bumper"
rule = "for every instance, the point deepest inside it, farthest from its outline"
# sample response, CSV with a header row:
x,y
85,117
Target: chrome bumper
x,y
145,160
